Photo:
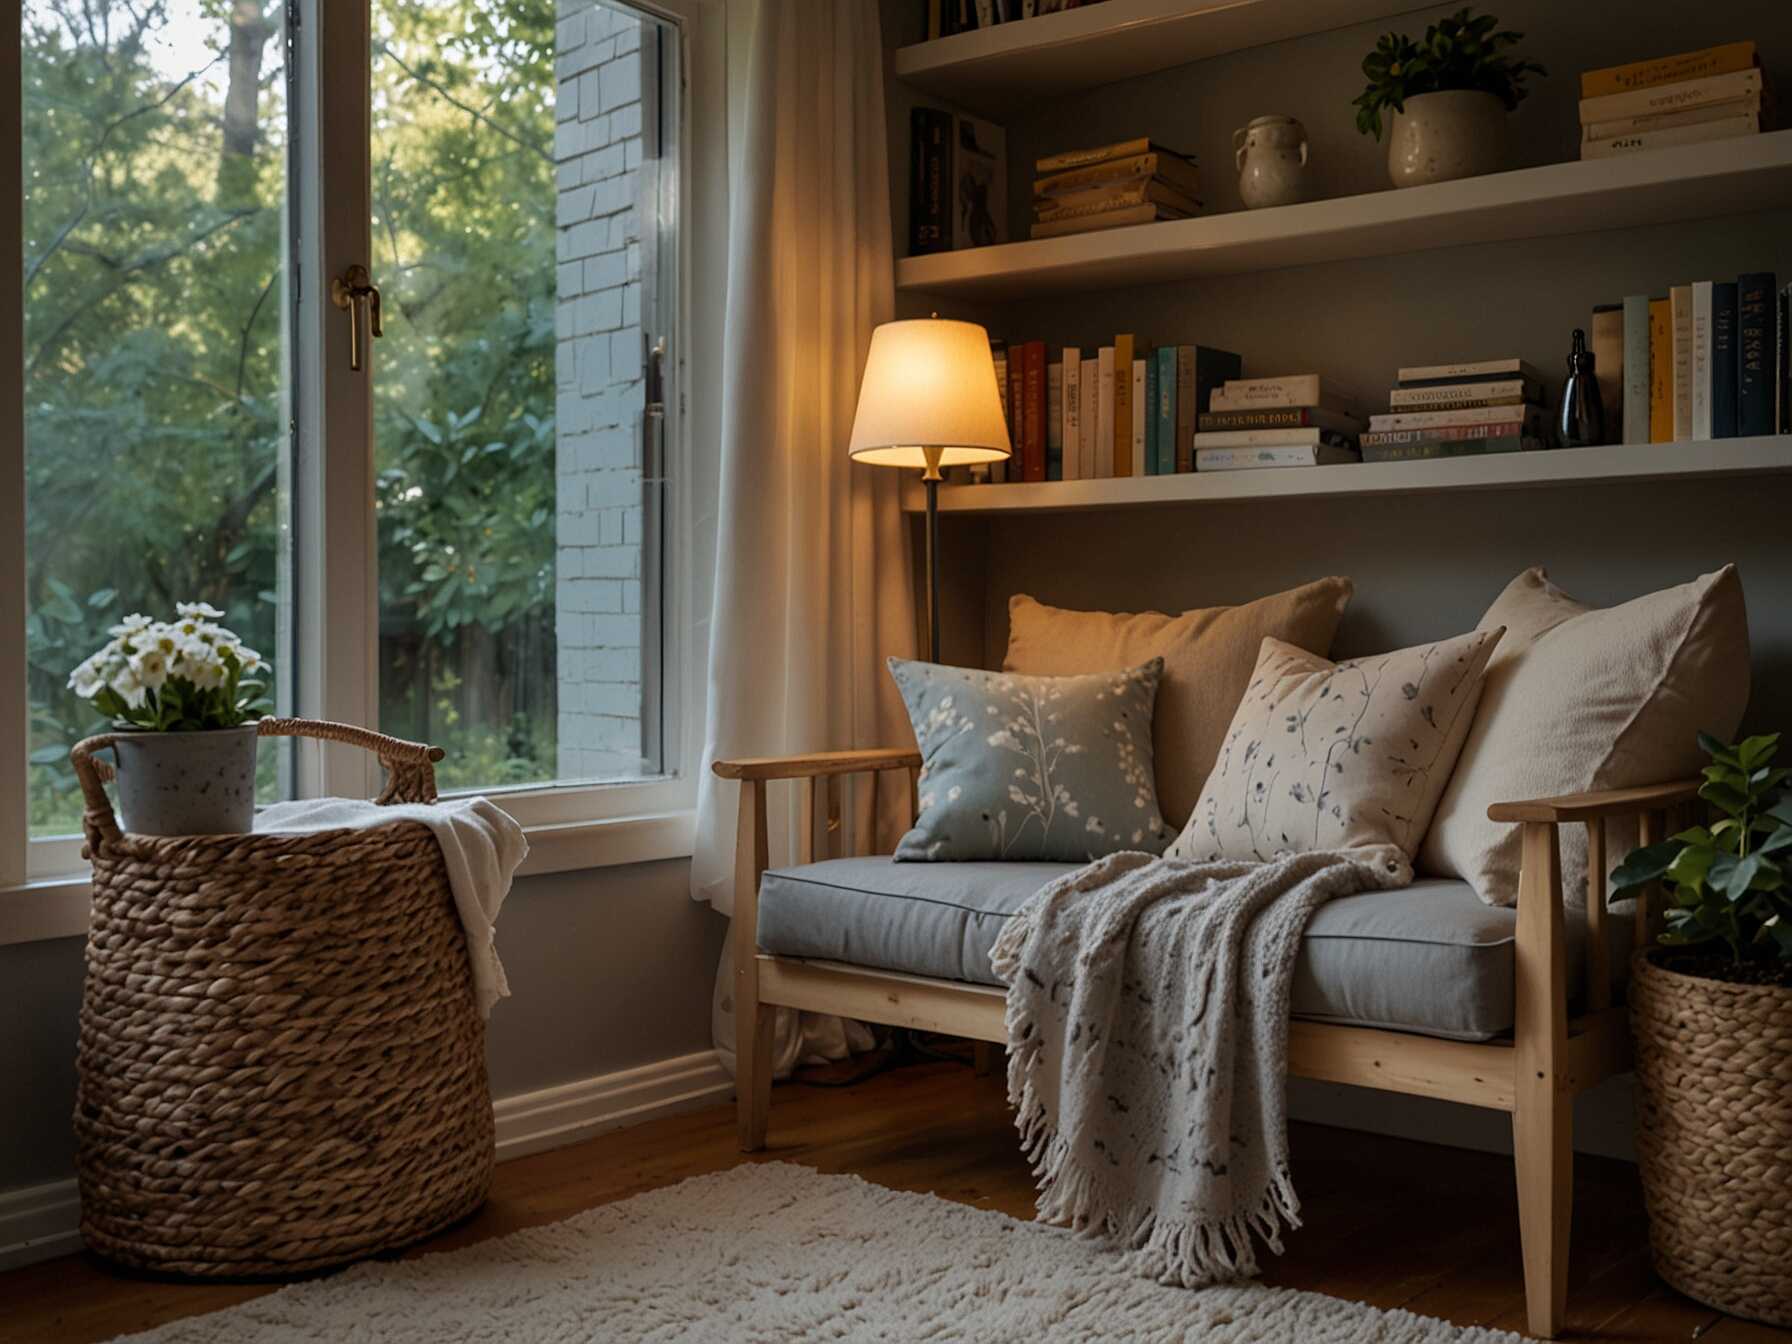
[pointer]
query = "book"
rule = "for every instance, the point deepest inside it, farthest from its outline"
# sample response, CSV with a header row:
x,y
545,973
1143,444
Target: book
x,y
998,351
929,218
979,183
1105,411
1605,339
1099,200
1701,359
1135,409
1148,413
1512,412
1655,100
1494,429
1282,417
1166,409
1680,305
1082,158
1661,371
1635,416
1243,459
1106,219
1719,60
1177,172
1757,353
1723,360
1724,129
1481,371
1268,438
1122,442
1089,388
1054,420
1783,325
1295,389
1072,431
1426,449
1442,395
1696,115
1032,411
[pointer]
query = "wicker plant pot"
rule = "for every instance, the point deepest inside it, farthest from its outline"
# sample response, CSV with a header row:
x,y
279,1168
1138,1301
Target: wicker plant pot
x,y
1714,1136
282,1062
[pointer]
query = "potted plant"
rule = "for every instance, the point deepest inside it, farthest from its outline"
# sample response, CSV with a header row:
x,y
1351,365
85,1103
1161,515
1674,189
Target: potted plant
x,y
1711,1014
1449,96
186,697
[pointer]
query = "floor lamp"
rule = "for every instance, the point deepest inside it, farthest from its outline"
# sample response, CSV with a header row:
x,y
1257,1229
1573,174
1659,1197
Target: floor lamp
x,y
929,400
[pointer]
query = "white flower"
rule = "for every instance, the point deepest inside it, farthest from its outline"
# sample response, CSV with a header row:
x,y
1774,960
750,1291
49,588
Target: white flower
x,y
250,659
129,687
205,609
151,668
86,680
131,624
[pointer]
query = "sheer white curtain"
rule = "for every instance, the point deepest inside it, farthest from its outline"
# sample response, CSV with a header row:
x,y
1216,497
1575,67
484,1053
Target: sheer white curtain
x,y
812,569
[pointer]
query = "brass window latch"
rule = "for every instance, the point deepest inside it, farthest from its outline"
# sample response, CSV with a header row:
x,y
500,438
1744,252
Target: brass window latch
x,y
350,291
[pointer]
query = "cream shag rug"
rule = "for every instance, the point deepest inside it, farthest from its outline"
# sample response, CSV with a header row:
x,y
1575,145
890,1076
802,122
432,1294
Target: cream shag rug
x,y
775,1252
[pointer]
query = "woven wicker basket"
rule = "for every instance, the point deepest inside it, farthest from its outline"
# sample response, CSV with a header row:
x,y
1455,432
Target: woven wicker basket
x,y
1714,1136
282,1063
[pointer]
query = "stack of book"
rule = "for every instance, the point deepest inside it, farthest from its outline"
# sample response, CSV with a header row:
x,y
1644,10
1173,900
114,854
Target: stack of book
x,y
1707,360
1456,410
1713,94
946,17
1297,420
1119,410
1132,182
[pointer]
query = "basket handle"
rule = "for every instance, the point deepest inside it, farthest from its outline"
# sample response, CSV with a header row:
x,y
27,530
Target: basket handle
x,y
410,766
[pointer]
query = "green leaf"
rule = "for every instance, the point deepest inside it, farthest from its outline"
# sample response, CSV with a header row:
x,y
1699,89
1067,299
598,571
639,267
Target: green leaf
x,y
1755,750
1643,866
1718,751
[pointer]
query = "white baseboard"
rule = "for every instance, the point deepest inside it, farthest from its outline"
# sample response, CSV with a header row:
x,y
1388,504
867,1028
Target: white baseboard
x,y
41,1222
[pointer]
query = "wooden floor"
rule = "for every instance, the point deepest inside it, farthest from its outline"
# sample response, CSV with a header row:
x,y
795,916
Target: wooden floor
x,y
1388,1222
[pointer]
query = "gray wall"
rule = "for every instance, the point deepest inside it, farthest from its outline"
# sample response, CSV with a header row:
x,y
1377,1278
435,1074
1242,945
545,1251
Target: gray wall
x,y
608,969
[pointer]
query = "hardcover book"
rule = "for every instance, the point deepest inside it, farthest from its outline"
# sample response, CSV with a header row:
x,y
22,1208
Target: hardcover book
x,y
1719,60
1426,449
1105,409
1082,158
1122,443
1135,408
1268,438
1738,86
1479,371
1164,444
1089,389
1098,200
1449,394
1032,417
1495,429
1187,411
1242,459
1757,353
979,183
1607,336
1122,218
1680,303
1177,172
1072,431
1513,412
1282,417
1723,360
1725,128
1148,413
1661,371
1635,420
1697,115
1295,389
1054,421
1701,359
929,218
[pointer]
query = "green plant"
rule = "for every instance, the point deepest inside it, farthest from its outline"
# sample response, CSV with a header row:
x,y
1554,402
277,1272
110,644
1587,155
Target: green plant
x,y
1459,52
1727,880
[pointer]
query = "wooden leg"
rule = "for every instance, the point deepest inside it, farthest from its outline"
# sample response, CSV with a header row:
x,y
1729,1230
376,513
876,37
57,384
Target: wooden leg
x,y
1542,1114
752,1019
753,1071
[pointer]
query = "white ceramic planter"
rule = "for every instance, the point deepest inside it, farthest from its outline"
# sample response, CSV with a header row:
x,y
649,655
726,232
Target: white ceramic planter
x,y
1447,135
1271,155
187,783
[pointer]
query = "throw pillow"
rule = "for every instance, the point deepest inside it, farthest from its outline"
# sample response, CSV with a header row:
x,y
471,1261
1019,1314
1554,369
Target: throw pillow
x,y
1581,698
1350,755
1208,655
1040,768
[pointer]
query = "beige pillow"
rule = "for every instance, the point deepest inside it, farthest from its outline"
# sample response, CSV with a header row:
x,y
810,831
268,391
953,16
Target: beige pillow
x,y
1326,755
1581,698
1208,655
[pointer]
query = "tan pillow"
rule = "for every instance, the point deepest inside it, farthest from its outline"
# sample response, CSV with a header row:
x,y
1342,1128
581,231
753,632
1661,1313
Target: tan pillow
x,y
1325,755
1208,655
1581,698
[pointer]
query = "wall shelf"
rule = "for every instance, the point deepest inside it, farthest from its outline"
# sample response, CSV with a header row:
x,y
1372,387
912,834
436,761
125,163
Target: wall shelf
x,y
1568,466
1724,177
988,71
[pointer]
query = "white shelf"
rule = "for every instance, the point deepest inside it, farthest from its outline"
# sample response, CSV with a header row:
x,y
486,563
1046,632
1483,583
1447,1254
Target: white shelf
x,y
1661,186
989,70
1566,466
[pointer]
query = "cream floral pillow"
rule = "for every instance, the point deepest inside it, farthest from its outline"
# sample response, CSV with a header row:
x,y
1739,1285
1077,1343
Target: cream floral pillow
x,y
1325,755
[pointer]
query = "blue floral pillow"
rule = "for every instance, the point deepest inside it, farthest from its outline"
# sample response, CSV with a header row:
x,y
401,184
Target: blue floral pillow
x,y
1054,769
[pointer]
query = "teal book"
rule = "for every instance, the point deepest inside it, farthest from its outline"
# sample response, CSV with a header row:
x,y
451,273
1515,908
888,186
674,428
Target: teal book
x,y
1164,410
1149,411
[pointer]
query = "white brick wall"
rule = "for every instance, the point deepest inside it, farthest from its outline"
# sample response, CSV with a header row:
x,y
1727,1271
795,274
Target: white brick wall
x,y
597,592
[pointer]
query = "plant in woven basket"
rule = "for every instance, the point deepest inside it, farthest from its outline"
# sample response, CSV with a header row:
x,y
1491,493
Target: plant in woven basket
x,y
1462,51
185,675
1728,881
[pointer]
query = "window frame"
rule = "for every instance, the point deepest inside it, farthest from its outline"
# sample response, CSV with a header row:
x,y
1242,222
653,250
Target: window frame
x,y
43,883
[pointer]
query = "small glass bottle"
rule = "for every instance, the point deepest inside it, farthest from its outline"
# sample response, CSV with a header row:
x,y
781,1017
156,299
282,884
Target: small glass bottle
x,y
1580,420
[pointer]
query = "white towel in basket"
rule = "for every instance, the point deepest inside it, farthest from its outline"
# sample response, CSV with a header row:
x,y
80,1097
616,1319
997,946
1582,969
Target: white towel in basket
x,y
481,846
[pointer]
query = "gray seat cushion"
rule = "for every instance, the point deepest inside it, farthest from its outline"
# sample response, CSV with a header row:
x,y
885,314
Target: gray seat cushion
x,y
1430,958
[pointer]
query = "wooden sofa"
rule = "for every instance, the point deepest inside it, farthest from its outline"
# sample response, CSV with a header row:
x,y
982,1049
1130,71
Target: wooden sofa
x,y
1533,1071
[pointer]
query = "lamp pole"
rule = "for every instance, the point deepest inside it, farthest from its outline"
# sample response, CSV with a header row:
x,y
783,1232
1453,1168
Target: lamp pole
x,y
930,478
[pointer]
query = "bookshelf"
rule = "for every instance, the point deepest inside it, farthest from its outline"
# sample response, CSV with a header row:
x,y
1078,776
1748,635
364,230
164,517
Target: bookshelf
x,y
988,71
1662,186
1767,456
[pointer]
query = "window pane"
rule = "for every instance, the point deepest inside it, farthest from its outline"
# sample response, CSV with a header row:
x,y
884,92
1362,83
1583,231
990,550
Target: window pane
x,y
155,360
518,230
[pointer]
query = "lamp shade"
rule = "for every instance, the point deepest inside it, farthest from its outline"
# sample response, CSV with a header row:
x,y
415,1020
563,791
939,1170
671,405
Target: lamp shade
x,y
929,389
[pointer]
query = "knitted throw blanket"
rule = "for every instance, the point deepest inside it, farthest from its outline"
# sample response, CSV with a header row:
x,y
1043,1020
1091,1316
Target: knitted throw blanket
x,y
1148,1048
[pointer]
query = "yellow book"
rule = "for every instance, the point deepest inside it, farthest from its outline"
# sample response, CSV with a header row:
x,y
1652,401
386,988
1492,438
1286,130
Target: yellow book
x,y
1082,158
1723,60
1122,405
1661,371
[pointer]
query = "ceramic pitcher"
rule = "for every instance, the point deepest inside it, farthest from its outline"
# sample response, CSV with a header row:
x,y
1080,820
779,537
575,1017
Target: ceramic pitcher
x,y
1271,154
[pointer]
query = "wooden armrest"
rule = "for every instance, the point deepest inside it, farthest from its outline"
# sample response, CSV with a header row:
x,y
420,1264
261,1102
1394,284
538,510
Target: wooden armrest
x,y
819,763
1607,803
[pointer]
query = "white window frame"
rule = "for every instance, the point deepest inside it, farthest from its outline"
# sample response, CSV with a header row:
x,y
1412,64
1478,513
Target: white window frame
x,y
44,883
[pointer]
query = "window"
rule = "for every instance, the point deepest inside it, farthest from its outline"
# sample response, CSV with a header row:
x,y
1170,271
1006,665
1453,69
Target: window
x,y
467,539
